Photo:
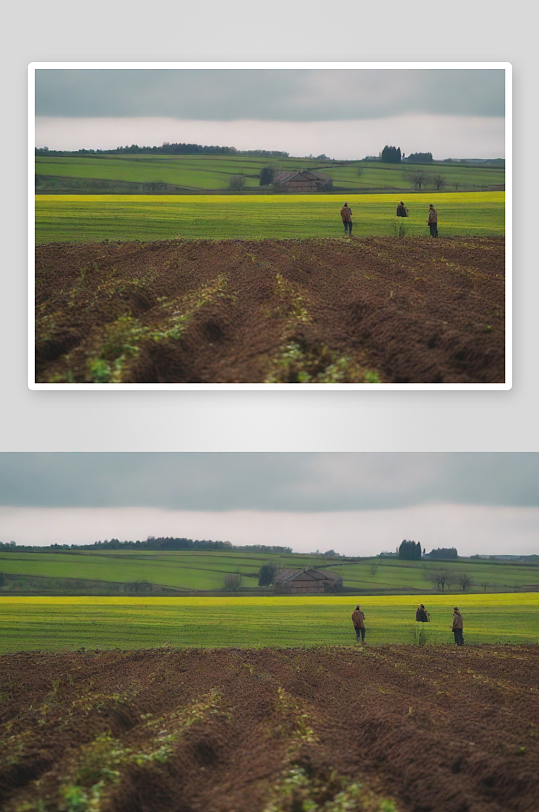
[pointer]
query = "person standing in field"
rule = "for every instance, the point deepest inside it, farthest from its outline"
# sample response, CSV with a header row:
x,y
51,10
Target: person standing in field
x,y
402,211
457,627
358,619
346,214
421,615
432,222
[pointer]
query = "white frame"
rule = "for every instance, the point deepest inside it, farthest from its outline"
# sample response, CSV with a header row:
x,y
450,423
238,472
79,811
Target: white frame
x,y
506,66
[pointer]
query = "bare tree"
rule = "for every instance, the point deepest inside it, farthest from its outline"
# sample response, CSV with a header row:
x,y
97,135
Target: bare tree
x,y
464,580
438,181
432,576
374,569
232,581
449,579
359,171
440,578
418,178
236,182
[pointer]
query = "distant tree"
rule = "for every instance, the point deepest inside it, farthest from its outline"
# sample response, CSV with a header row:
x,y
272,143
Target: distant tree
x,y
324,186
440,578
420,157
444,552
331,554
410,550
418,178
438,181
266,574
334,586
359,171
236,182
464,580
232,581
374,569
267,173
391,155
2,579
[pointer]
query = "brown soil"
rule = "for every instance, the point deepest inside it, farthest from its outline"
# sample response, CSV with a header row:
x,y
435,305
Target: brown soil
x,y
410,310
431,729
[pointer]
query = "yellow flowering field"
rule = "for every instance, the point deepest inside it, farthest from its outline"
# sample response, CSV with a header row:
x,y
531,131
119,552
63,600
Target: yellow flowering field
x,y
144,622
93,218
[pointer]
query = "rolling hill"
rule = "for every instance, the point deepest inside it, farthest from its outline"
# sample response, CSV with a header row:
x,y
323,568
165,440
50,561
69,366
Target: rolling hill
x,y
194,572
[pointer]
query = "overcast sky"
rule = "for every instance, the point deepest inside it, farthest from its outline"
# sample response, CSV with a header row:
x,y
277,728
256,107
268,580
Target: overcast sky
x,y
345,114
355,503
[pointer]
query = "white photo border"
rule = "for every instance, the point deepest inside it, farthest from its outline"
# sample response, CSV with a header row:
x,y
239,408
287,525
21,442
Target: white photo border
x,y
505,66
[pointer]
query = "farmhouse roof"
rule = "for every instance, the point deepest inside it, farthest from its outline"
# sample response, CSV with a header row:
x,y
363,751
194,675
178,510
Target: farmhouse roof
x,y
315,575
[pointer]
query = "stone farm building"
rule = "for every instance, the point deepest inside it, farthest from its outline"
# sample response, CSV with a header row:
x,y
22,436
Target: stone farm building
x,y
306,582
302,181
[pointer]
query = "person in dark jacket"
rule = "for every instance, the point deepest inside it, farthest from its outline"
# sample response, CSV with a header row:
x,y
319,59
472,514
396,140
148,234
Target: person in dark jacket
x,y
358,619
457,627
402,211
421,615
346,215
432,222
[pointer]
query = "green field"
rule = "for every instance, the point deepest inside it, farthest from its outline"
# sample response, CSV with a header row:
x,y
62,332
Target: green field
x,y
206,571
93,218
213,172
71,623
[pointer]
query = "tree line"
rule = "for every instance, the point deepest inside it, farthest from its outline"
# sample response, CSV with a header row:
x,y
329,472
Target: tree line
x,y
393,155
166,149
411,551
153,543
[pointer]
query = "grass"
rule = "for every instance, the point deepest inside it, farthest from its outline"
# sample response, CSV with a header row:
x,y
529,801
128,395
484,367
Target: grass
x,y
94,218
213,172
30,623
199,570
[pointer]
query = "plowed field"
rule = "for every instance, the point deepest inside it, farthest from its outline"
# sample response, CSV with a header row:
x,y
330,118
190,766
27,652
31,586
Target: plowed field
x,y
373,310
357,728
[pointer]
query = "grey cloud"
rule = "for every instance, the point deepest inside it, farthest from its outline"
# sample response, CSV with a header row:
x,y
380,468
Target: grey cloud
x,y
274,482
270,95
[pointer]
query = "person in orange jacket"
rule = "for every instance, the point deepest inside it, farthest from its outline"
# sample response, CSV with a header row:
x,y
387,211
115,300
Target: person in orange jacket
x,y
432,222
346,215
457,627
358,619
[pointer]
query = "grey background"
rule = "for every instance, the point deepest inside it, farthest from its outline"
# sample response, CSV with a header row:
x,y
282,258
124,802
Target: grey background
x,y
279,421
